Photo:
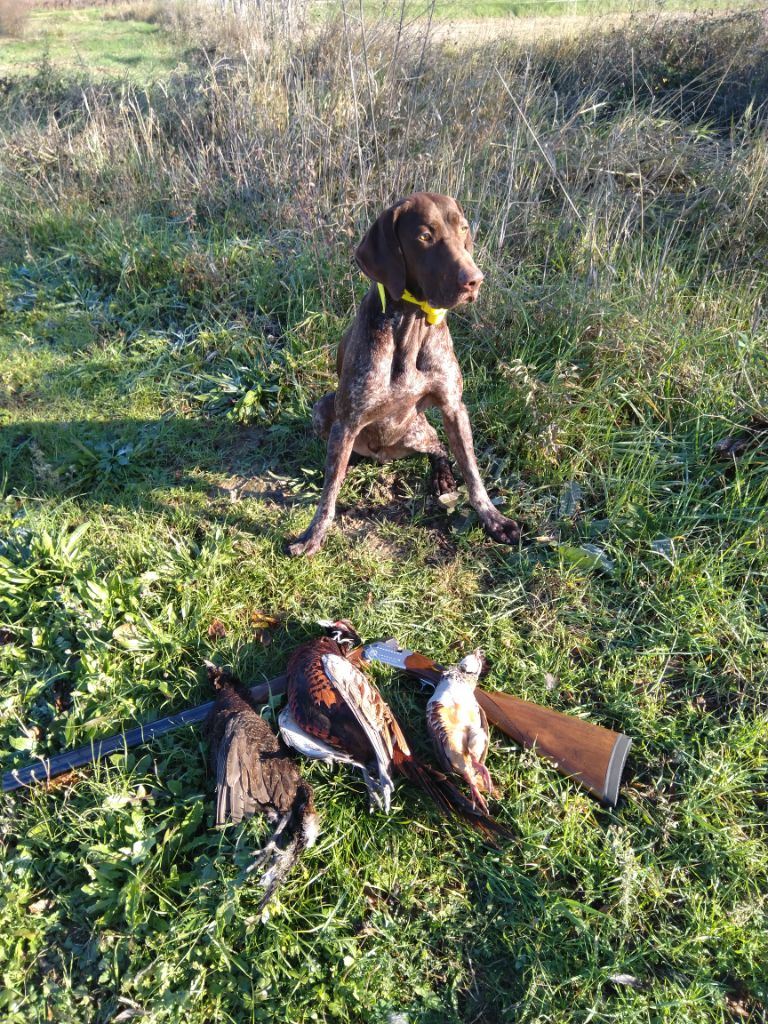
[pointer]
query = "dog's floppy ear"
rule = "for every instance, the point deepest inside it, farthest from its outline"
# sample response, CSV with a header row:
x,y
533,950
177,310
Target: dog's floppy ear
x,y
379,255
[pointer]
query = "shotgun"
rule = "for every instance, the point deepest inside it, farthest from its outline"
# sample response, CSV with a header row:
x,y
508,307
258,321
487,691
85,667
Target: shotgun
x,y
591,754
48,768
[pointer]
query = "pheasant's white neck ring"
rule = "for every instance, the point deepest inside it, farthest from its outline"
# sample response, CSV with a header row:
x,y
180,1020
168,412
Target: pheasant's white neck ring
x,y
336,633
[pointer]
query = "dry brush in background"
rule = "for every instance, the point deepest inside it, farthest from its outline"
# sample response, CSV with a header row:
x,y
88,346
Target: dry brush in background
x,y
650,135
14,15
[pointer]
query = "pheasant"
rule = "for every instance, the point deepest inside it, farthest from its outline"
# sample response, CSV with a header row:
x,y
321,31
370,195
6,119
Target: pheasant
x,y
253,773
459,728
334,713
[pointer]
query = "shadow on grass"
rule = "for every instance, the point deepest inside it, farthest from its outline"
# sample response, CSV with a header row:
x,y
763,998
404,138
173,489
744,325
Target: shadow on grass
x,y
212,465
130,462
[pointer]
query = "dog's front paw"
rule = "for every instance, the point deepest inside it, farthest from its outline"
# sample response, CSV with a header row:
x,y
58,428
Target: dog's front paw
x,y
502,530
308,544
303,547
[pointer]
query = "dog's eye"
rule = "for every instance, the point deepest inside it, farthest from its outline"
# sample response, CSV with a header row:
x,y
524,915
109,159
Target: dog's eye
x,y
424,236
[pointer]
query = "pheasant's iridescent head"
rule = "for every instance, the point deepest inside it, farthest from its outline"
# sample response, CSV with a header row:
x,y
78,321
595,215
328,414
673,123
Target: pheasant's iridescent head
x,y
342,631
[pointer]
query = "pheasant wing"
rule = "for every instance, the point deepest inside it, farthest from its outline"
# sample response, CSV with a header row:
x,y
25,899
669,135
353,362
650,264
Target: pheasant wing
x,y
369,709
364,701
241,789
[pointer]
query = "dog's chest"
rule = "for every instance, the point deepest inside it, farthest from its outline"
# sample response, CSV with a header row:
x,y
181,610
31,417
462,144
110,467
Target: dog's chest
x,y
408,367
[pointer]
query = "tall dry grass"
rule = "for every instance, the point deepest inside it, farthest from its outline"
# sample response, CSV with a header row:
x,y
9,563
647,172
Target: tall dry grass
x,y
652,137
14,15
232,24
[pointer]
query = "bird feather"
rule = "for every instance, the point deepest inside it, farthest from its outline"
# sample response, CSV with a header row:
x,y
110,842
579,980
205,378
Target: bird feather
x,y
366,705
310,746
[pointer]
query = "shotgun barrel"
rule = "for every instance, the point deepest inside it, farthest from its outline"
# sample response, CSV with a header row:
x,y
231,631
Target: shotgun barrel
x,y
48,768
590,754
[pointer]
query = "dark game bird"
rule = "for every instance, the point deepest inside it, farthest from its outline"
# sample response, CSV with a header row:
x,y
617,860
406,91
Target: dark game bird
x,y
334,713
254,775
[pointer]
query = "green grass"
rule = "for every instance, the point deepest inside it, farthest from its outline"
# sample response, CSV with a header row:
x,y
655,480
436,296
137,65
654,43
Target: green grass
x,y
167,253
94,41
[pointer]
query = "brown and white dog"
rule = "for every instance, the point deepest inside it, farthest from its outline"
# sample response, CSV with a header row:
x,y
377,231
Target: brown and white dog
x,y
396,359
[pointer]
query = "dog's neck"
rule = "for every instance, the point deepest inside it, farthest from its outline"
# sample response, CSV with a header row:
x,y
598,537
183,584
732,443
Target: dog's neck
x,y
432,314
406,318
403,330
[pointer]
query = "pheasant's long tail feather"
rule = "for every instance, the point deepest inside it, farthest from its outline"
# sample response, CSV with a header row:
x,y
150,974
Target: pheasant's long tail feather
x,y
448,798
295,832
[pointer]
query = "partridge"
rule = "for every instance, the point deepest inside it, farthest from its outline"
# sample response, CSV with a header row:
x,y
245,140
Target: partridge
x,y
459,728
334,713
255,774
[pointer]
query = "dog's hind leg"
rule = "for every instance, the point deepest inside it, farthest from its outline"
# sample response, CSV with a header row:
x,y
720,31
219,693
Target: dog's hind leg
x,y
441,478
421,439
323,414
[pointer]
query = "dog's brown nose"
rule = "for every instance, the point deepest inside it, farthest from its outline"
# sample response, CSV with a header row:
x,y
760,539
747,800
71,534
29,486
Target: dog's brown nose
x,y
470,279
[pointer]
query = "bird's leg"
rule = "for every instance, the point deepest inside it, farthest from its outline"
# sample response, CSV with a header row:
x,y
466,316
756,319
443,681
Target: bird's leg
x,y
279,866
269,850
261,856
485,775
379,791
477,796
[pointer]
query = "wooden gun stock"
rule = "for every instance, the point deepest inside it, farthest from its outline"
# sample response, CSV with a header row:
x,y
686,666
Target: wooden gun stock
x,y
591,754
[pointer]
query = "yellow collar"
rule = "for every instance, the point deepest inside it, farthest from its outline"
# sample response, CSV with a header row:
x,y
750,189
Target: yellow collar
x,y
434,316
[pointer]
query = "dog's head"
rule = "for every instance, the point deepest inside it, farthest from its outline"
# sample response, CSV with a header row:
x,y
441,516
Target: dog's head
x,y
422,244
